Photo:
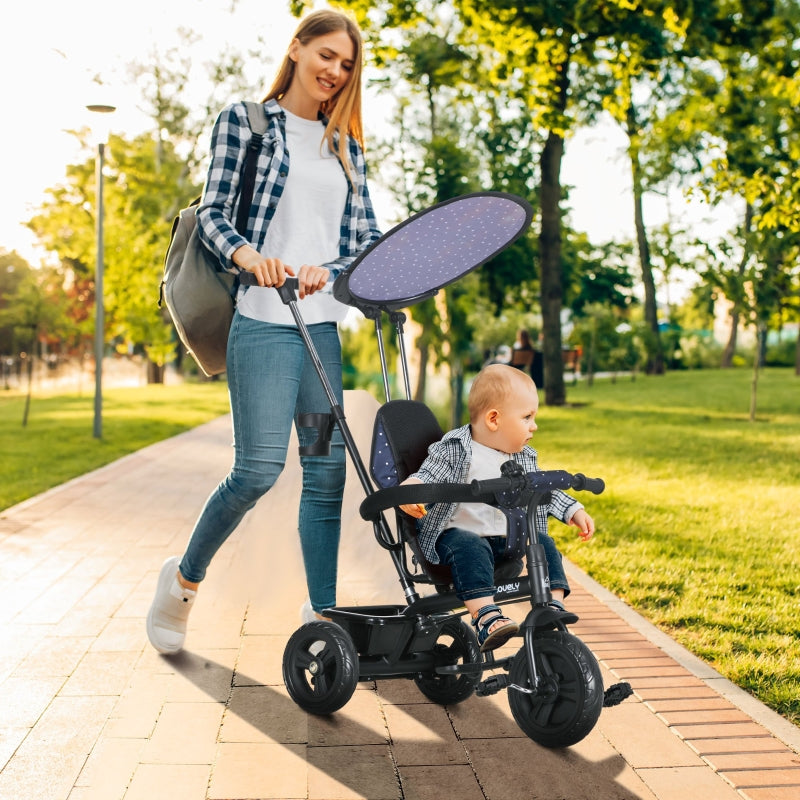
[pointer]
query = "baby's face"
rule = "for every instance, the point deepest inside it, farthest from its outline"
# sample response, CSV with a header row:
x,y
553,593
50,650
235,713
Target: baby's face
x,y
517,420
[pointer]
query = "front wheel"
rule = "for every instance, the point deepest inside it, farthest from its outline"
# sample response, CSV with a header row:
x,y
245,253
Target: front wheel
x,y
569,699
455,644
320,667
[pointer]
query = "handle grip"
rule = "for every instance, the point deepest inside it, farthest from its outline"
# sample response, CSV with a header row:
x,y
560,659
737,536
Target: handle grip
x,y
248,279
583,484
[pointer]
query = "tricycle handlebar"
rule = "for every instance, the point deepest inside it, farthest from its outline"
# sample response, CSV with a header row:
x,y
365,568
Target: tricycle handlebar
x,y
544,481
477,491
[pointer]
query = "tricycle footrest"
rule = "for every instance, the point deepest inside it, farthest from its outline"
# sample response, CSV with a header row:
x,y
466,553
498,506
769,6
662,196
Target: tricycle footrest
x,y
492,685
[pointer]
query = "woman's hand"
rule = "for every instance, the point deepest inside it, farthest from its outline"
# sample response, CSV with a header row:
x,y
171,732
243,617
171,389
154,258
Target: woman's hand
x,y
268,271
311,279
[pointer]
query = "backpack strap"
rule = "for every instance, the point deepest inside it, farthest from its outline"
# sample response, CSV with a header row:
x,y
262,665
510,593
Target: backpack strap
x,y
258,124
257,118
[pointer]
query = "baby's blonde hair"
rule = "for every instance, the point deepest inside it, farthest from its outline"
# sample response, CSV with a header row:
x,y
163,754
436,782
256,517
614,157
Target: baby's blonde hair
x,y
492,386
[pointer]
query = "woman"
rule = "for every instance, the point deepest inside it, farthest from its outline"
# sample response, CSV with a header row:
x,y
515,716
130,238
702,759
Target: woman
x,y
311,217
522,354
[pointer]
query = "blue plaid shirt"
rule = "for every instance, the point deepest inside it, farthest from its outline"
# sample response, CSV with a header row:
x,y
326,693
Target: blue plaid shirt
x,y
448,462
219,206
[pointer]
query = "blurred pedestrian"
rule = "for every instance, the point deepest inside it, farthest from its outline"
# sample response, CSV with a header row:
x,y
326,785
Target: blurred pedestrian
x,y
522,352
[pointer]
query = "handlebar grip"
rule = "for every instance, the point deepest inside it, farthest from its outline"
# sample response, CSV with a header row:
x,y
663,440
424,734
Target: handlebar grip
x,y
583,484
491,486
248,279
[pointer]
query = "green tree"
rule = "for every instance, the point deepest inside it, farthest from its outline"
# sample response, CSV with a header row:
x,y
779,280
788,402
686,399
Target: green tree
x,y
453,135
671,74
33,312
597,274
739,100
14,270
135,233
606,341
550,51
430,72
149,177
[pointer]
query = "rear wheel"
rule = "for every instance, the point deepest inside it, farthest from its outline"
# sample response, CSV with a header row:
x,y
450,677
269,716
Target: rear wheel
x,y
455,645
320,667
568,702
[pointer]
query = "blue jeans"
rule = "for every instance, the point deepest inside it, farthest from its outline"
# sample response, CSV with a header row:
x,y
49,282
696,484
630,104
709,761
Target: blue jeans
x,y
471,559
271,380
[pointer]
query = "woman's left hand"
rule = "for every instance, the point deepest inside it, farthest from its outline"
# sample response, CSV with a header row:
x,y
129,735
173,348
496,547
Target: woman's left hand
x,y
311,279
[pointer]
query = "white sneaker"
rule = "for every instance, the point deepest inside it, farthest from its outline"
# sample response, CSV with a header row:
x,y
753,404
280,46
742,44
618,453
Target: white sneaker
x,y
307,613
166,620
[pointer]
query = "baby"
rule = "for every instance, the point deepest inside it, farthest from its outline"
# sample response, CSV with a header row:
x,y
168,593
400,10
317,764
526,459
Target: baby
x,y
468,537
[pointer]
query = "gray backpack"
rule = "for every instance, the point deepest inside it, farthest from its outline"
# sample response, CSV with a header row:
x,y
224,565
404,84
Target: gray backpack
x,y
198,293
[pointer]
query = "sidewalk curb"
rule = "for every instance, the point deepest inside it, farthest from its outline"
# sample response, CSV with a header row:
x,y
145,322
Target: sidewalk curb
x,y
777,725
70,482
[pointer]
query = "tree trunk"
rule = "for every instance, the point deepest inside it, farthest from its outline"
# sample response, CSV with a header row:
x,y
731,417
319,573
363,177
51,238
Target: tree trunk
x,y
457,389
761,335
550,277
797,354
432,110
155,372
762,349
29,365
655,356
419,392
730,348
655,353
730,345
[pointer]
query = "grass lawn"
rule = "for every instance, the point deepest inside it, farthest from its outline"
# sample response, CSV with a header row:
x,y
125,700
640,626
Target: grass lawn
x,y
696,528
57,443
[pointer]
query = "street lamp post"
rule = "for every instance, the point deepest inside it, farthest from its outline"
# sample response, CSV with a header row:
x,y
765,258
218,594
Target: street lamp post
x,y
99,311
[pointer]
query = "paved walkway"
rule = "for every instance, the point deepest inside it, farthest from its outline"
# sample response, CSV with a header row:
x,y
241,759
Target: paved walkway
x,y
91,712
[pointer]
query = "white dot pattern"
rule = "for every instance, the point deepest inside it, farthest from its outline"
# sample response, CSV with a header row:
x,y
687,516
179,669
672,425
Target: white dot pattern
x,y
384,468
438,246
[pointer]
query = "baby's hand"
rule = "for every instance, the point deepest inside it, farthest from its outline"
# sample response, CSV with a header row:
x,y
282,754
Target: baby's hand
x,y
415,510
584,523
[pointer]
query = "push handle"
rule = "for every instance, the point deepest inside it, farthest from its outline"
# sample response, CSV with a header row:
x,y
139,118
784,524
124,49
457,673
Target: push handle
x,y
287,290
248,279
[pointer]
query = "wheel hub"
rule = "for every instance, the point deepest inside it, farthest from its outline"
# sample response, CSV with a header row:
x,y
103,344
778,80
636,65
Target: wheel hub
x,y
548,689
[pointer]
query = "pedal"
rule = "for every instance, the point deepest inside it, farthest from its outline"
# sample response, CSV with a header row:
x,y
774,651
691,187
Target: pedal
x,y
492,685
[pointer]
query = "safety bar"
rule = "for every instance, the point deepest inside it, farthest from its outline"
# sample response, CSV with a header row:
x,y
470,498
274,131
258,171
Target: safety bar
x,y
477,491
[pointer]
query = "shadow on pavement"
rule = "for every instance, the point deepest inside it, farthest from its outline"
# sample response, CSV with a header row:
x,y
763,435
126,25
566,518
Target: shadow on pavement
x,y
375,762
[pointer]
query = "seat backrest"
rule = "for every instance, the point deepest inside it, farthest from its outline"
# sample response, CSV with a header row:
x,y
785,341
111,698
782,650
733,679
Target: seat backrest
x,y
403,432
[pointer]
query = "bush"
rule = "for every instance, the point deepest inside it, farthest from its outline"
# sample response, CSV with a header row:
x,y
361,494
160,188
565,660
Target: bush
x,y
782,354
700,351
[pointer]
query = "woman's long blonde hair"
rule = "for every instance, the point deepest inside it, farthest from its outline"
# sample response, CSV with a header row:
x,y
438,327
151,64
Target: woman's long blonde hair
x,y
343,110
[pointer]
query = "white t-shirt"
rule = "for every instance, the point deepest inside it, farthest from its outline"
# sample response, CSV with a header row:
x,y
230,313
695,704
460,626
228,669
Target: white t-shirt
x,y
478,517
305,228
